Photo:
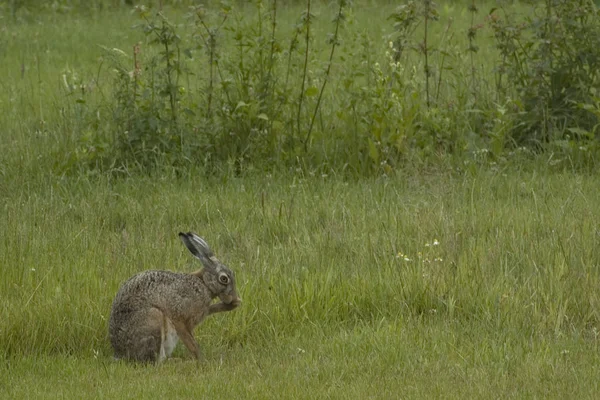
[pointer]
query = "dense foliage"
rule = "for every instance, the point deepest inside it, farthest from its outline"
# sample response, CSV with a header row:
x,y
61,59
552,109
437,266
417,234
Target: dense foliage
x,y
236,85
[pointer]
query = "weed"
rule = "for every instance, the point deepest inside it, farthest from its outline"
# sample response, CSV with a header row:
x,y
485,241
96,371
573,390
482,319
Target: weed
x,y
552,60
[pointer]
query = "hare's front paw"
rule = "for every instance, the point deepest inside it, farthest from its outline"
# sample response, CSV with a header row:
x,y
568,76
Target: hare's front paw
x,y
236,302
222,307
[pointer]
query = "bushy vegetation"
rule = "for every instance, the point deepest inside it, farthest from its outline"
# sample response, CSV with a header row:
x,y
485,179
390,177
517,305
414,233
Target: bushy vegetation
x,y
264,84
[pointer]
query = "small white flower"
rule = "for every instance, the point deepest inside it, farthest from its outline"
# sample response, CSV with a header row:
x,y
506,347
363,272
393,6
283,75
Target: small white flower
x,y
435,242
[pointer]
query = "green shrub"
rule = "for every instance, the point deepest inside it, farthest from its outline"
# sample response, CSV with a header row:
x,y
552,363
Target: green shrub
x,y
232,87
551,62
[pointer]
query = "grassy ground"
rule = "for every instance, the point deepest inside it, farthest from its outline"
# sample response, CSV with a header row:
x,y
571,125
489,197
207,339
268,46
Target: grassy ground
x,y
426,283
506,303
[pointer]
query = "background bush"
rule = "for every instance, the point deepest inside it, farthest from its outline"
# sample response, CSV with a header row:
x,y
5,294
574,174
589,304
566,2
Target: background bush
x,y
230,86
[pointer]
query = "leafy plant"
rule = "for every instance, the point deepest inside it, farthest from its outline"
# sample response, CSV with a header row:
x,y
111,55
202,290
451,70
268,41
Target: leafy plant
x,y
551,61
147,99
232,88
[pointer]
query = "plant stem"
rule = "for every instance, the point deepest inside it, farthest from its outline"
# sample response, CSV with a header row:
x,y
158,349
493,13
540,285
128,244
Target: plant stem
x,y
305,68
439,83
211,43
272,51
426,52
170,82
338,20
261,63
471,36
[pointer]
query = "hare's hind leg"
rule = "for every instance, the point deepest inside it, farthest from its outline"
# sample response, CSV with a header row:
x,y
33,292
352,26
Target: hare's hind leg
x,y
147,340
147,350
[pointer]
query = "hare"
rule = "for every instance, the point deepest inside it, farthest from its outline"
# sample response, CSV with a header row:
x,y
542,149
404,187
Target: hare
x,y
153,309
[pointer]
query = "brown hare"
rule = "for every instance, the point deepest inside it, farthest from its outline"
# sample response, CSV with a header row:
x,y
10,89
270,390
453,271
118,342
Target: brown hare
x,y
153,309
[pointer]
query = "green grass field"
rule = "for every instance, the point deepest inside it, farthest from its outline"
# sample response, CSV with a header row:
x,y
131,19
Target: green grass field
x,y
432,281
506,304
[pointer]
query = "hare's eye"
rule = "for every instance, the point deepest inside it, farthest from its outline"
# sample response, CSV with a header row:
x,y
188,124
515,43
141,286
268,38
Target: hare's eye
x,y
224,279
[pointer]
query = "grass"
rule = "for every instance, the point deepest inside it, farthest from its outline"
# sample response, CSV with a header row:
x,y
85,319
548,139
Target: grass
x,y
430,282
422,359
507,302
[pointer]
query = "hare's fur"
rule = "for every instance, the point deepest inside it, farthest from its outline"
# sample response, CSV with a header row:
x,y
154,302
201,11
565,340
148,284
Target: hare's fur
x,y
153,309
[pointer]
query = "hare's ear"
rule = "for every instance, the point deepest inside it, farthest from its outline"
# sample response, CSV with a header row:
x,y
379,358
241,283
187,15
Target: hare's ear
x,y
199,248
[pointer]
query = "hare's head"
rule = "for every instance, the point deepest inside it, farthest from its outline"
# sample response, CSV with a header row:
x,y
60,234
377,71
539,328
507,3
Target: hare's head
x,y
217,276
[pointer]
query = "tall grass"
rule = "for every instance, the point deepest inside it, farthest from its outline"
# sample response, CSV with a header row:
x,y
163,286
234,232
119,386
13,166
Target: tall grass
x,y
488,259
518,252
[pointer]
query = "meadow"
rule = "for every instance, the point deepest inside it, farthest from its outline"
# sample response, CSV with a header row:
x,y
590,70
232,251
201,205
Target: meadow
x,y
427,273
